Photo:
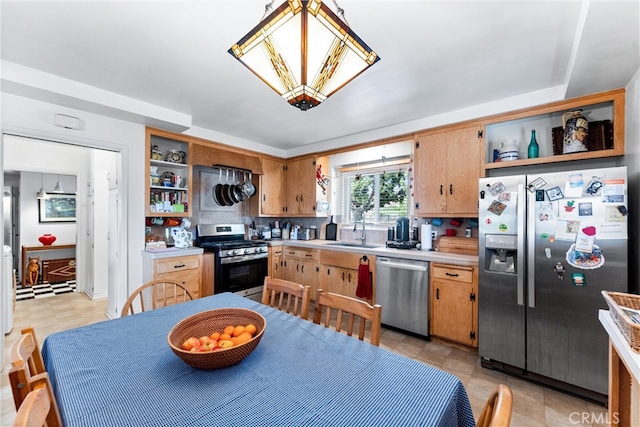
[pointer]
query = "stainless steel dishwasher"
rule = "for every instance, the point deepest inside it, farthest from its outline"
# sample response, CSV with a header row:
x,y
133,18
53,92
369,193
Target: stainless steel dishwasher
x,y
402,289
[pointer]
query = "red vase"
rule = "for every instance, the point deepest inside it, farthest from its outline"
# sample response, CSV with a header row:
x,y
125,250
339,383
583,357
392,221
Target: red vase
x,y
47,239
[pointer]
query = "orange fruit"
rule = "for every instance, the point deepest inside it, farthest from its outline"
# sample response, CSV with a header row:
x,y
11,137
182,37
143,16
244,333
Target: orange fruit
x,y
225,336
237,331
243,338
215,336
225,343
251,328
229,330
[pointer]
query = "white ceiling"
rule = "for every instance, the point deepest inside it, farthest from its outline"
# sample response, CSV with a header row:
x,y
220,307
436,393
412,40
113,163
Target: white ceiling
x,y
165,63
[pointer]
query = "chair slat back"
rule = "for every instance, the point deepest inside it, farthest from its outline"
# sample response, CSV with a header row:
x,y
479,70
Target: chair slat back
x,y
39,408
155,294
286,296
27,373
349,310
497,410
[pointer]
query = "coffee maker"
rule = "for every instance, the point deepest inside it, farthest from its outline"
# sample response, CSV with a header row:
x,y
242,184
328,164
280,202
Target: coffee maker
x,y
402,238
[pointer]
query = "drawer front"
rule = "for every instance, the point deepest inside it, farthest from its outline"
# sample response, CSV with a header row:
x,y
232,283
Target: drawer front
x,y
310,254
453,273
189,278
171,265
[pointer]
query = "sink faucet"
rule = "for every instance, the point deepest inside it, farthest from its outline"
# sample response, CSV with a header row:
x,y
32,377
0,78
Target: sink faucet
x,y
359,215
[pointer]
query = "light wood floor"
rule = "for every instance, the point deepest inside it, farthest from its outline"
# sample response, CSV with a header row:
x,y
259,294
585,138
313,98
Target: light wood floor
x,y
533,405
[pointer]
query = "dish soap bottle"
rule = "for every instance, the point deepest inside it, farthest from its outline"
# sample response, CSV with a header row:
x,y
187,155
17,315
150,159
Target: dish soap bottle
x,y
533,149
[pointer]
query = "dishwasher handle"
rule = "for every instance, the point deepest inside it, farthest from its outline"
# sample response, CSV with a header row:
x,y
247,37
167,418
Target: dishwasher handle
x,y
388,263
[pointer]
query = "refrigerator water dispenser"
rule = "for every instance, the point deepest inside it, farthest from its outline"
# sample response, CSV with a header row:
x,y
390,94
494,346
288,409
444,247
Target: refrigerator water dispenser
x,y
501,253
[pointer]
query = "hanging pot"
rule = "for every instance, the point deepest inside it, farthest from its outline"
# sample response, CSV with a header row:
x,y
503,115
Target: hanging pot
x,y
237,190
576,129
248,188
224,193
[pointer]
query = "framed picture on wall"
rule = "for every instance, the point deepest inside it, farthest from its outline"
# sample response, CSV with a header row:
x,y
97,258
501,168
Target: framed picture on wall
x,y
57,208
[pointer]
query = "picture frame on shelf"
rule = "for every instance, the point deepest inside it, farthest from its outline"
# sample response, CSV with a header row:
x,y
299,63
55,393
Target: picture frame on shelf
x,y
57,208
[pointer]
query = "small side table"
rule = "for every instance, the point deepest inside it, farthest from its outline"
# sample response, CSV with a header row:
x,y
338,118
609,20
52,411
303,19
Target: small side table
x,y
27,249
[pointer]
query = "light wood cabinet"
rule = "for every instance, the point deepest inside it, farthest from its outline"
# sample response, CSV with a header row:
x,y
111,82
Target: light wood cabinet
x,y
270,197
339,272
300,187
276,264
185,270
301,266
454,306
174,198
447,169
517,125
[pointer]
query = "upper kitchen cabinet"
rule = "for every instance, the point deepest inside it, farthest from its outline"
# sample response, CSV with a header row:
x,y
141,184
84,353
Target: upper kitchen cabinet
x,y
300,184
168,173
447,169
604,111
270,198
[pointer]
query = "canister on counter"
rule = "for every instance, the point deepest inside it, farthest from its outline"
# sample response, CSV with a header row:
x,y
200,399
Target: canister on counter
x,y
391,234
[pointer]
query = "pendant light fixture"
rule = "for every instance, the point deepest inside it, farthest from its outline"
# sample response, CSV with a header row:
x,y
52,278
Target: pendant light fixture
x,y
304,52
42,194
58,188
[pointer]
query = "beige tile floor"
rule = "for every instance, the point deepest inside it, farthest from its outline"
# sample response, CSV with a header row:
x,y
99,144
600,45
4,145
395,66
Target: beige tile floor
x,y
533,405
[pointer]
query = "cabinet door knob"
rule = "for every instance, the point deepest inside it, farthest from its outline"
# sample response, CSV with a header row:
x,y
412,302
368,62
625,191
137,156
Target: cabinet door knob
x,y
437,293
441,189
450,188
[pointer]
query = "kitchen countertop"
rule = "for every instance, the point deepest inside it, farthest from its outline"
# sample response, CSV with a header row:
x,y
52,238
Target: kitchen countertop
x,y
171,252
415,254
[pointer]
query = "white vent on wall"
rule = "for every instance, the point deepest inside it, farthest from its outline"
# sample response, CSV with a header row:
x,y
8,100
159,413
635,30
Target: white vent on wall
x,y
67,122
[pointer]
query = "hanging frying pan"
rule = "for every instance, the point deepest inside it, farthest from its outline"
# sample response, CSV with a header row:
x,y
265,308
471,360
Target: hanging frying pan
x,y
231,195
224,193
217,189
236,189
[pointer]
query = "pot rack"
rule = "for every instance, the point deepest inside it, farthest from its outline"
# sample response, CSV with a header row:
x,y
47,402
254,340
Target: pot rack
x,y
232,168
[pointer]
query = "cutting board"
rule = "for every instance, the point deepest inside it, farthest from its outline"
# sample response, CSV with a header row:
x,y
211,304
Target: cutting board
x,y
331,230
458,245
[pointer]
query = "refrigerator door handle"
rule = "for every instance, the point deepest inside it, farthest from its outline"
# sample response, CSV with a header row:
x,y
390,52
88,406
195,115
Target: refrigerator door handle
x,y
531,253
521,203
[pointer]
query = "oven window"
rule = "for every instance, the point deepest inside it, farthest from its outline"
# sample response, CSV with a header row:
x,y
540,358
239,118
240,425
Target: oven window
x,y
240,276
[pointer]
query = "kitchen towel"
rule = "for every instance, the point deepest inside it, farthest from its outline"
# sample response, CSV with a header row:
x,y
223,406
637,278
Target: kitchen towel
x,y
364,280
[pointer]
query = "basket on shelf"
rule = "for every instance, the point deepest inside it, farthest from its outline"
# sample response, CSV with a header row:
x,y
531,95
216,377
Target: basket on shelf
x,y
630,330
600,137
206,322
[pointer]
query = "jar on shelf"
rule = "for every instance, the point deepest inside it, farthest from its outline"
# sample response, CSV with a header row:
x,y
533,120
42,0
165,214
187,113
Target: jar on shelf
x,y
155,177
47,239
576,129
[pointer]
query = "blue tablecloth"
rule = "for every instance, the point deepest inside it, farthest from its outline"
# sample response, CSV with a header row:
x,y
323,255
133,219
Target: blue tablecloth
x,y
122,372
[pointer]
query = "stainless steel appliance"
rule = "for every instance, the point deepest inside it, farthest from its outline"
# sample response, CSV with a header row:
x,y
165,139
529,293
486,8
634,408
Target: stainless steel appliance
x,y
240,265
402,288
549,243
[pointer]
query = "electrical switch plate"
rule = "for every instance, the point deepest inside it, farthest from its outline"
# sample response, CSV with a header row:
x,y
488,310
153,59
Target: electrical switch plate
x,y
434,234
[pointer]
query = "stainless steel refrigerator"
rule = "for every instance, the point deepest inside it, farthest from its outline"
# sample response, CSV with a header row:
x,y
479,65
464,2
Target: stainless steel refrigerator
x,y
549,243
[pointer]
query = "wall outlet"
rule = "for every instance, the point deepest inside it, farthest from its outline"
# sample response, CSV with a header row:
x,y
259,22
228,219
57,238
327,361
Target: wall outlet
x,y
434,234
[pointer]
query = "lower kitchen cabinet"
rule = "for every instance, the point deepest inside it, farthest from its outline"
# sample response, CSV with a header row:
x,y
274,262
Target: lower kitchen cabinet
x,y
276,264
339,272
301,266
454,305
185,270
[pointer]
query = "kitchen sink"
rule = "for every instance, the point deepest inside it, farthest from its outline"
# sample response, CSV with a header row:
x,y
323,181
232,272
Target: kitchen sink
x,y
353,245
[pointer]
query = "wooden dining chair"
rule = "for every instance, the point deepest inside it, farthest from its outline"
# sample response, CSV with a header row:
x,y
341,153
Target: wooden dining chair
x,y
352,309
286,296
36,407
155,294
497,410
27,372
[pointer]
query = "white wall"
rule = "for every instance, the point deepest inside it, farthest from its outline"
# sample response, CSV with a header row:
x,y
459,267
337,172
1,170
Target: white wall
x,y
28,117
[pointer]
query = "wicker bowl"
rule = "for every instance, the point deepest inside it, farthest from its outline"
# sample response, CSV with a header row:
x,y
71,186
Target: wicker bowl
x,y
209,321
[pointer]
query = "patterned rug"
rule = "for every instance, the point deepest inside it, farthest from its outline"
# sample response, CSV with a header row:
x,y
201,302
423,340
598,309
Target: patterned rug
x,y
44,290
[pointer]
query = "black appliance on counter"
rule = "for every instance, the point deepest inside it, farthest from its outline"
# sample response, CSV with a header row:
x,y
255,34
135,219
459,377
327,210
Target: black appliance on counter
x,y
240,265
402,236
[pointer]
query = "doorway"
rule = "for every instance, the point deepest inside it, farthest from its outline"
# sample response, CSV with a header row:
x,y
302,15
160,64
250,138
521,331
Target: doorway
x,y
94,171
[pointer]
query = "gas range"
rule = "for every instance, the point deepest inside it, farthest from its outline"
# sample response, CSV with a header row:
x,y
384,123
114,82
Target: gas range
x,y
227,241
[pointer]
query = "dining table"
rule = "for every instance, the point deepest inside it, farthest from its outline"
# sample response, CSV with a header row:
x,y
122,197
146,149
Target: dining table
x,y
122,372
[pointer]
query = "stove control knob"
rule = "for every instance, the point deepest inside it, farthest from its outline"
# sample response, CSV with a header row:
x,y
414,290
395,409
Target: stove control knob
x,y
249,251
236,252
263,249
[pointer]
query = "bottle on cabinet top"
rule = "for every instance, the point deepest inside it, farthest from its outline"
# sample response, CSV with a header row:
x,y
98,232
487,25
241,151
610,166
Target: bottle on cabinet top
x,y
533,150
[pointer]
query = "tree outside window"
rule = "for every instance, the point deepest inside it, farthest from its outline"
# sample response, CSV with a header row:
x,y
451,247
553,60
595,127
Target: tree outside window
x,y
382,194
